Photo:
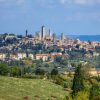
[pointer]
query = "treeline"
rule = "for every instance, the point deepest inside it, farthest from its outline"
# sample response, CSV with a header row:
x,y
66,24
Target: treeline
x,y
81,86
25,71
84,87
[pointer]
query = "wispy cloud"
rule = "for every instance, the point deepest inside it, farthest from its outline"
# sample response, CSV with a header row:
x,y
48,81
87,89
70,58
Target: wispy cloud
x,y
48,3
12,8
80,2
42,3
11,2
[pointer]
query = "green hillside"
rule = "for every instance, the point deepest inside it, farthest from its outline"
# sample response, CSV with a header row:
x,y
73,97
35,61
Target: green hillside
x,y
29,89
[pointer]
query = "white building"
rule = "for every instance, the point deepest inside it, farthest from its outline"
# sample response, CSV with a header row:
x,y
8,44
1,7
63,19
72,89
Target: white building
x,y
21,56
2,56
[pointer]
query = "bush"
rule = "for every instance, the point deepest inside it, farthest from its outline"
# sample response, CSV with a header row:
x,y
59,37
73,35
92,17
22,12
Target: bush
x,y
15,71
82,95
54,71
59,80
4,70
65,85
98,78
67,98
95,92
29,76
39,71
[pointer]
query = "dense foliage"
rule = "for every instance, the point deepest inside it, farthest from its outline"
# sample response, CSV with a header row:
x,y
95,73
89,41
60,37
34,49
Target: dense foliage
x,y
78,80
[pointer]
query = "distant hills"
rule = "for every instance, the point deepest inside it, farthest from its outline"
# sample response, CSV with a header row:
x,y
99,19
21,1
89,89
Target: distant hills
x,y
86,37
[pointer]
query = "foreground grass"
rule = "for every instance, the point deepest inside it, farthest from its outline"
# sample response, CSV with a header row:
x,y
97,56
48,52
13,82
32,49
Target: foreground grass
x,y
29,89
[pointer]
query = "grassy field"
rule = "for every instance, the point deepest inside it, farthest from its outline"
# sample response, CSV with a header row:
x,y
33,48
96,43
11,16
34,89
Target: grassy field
x,y
29,89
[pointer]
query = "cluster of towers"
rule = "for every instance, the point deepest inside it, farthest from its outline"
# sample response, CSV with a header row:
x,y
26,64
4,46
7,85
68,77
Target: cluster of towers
x,y
46,34
43,33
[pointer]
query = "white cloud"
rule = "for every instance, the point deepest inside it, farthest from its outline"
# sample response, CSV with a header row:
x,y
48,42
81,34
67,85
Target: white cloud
x,y
65,1
62,1
43,3
13,7
48,3
51,2
11,2
80,2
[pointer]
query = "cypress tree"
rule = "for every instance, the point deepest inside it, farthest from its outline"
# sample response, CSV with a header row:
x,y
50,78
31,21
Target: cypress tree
x,y
78,81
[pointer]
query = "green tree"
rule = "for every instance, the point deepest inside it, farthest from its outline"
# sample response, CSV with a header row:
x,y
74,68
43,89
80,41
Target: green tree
x,y
54,71
95,92
15,71
78,84
64,62
39,71
73,64
4,69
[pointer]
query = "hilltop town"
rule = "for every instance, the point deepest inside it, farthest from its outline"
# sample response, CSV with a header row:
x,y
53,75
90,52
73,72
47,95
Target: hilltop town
x,y
49,49
44,45
51,62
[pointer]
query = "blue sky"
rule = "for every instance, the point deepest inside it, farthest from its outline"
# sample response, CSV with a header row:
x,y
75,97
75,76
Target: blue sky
x,y
68,16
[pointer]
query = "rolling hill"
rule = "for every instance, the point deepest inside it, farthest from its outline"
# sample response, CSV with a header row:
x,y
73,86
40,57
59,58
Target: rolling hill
x,y
29,89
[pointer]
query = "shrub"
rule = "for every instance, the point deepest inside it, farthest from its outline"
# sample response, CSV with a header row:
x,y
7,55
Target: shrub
x,y
4,69
67,98
65,85
54,71
95,92
15,71
39,71
59,80
82,95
